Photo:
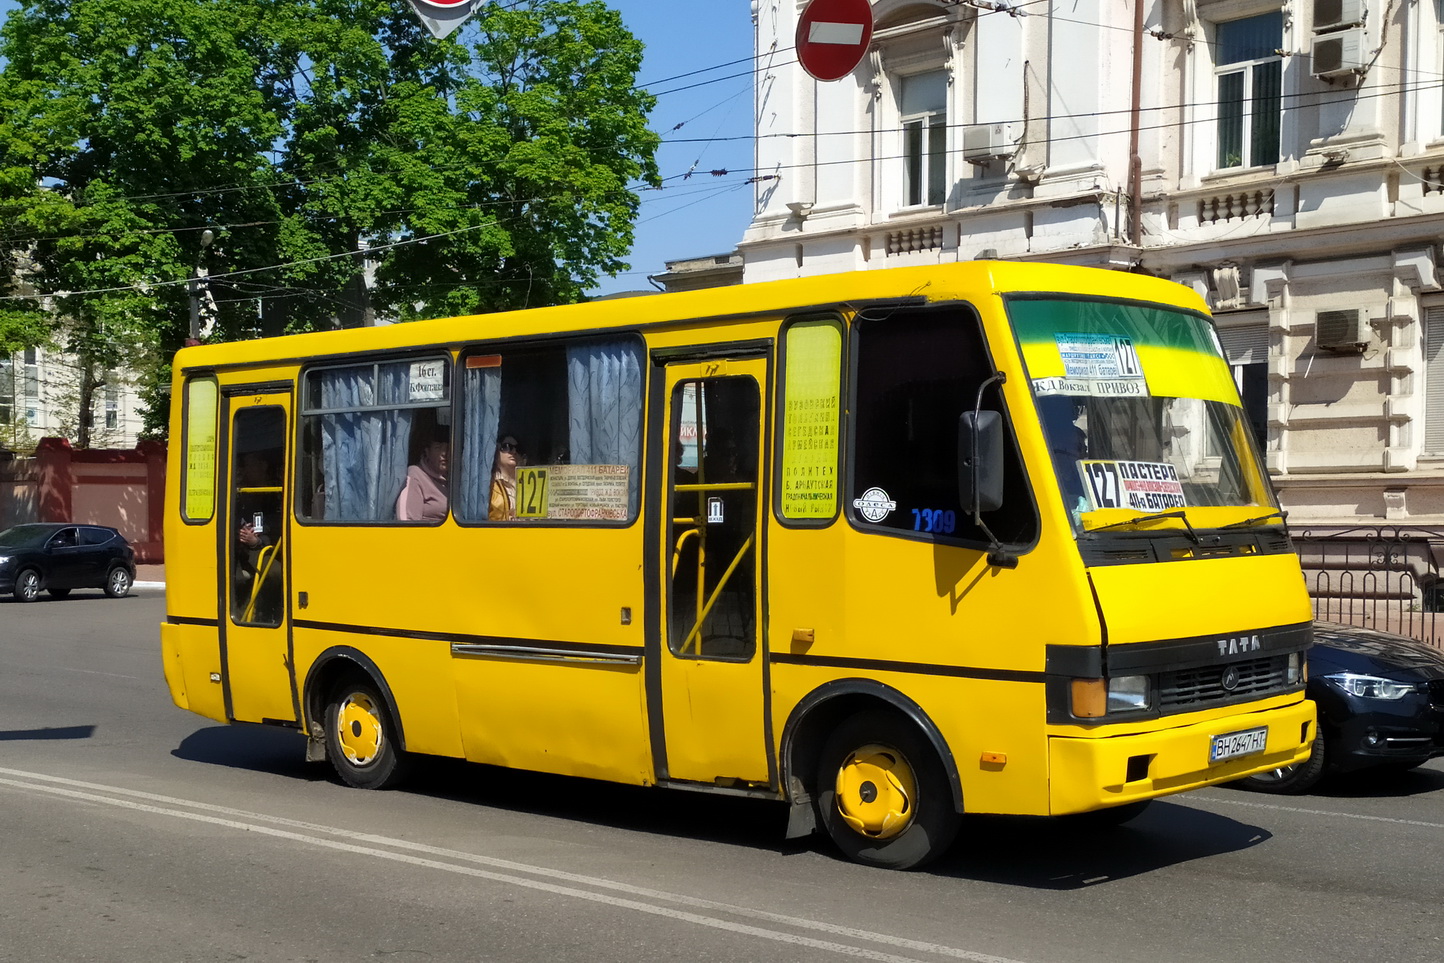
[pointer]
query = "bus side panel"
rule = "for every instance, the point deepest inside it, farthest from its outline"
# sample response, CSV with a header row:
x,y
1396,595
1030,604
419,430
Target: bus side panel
x,y
520,587
551,717
973,716
417,673
191,655
878,601
548,587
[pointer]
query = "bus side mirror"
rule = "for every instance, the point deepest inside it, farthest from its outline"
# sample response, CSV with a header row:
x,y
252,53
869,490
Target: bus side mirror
x,y
980,461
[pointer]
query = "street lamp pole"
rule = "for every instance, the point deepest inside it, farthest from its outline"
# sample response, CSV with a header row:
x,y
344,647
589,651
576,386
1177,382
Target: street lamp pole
x,y
200,285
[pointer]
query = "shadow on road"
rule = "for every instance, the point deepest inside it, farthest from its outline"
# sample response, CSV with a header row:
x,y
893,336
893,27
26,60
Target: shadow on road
x,y
257,748
83,595
1043,853
62,732
1030,852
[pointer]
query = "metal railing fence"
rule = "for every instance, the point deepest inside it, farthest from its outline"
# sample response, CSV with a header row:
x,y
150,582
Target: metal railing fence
x,y
1381,577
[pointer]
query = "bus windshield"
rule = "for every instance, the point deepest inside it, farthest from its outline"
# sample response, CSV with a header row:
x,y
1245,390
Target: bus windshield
x,y
1140,412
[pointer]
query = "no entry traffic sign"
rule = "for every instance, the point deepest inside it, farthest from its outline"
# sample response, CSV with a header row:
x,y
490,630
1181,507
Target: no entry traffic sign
x,y
832,36
443,16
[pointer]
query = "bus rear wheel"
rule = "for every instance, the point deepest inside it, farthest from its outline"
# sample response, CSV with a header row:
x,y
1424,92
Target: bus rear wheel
x,y
361,738
882,793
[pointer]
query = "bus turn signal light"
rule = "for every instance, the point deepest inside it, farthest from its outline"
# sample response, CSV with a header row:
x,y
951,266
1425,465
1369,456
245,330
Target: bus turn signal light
x,y
1090,698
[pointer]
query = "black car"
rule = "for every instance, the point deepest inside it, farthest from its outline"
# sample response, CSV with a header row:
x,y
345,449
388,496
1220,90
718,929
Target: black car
x,y
1381,704
60,556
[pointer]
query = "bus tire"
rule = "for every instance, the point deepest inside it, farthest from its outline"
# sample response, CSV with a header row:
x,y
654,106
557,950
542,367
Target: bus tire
x,y
882,793
361,739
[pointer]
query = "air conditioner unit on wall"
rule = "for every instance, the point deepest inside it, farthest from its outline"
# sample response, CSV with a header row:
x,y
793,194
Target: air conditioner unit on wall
x,y
983,143
1333,14
1342,331
1337,54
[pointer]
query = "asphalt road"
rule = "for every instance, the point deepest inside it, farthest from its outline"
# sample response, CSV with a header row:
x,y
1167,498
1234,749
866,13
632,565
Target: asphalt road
x,y
133,831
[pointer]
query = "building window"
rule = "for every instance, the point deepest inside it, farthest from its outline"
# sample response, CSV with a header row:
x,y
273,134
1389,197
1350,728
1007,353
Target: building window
x,y
924,110
7,391
32,385
112,404
1247,349
1434,381
1249,68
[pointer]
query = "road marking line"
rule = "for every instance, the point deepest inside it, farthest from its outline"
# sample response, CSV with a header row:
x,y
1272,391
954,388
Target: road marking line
x,y
496,863
1327,812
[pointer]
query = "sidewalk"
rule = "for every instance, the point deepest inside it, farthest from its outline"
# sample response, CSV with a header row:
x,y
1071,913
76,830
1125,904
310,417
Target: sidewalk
x,y
150,576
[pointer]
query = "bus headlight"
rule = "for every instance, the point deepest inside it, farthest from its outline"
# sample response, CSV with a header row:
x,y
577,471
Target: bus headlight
x,y
1128,693
1095,698
1296,668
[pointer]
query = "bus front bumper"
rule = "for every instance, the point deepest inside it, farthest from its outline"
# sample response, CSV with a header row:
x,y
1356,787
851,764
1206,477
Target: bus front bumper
x,y
1090,773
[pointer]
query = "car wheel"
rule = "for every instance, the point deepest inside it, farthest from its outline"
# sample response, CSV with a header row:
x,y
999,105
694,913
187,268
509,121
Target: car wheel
x,y
27,585
58,593
117,583
882,793
361,740
1292,780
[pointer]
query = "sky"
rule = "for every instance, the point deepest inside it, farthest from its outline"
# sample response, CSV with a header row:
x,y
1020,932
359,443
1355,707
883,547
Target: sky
x,y
704,214
703,95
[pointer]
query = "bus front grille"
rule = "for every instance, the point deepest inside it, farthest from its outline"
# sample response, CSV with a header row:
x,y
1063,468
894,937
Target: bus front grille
x,y
1209,685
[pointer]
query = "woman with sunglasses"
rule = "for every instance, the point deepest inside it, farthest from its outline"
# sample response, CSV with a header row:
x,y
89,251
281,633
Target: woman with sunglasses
x,y
503,480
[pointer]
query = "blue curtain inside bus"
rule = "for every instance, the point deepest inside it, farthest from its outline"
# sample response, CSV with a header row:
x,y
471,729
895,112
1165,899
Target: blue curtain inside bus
x,y
604,395
364,452
481,398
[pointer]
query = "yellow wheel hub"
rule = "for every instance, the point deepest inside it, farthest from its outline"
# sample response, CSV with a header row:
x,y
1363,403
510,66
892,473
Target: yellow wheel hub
x,y
358,729
876,792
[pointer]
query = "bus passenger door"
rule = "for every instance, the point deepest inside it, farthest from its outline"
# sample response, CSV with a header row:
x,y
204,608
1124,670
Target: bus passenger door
x,y
713,696
255,649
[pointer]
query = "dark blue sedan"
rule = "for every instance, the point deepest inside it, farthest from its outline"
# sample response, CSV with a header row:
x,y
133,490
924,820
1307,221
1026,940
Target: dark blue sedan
x,y
1381,704
59,556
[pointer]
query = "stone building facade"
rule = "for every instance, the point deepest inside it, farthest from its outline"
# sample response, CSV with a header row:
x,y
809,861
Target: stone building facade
x,y
1285,158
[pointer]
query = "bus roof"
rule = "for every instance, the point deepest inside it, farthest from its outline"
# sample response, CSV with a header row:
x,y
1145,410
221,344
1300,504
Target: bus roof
x,y
939,282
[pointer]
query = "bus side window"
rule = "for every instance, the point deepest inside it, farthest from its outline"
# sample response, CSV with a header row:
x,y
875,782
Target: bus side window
x,y
570,416
915,373
359,423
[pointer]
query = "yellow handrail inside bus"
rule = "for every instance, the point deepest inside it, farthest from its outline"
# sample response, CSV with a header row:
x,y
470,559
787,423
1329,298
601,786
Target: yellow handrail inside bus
x,y
695,634
677,549
264,559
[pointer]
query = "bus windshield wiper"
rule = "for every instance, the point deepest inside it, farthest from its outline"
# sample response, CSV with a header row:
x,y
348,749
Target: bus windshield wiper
x,y
1284,516
1181,515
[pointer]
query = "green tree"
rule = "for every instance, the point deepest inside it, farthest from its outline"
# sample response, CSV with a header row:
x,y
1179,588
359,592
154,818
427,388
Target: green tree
x,y
490,170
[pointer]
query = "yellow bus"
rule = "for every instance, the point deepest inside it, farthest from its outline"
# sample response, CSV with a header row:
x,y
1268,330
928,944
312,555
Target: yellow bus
x,y
891,547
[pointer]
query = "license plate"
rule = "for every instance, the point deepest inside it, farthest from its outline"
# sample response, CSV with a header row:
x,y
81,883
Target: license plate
x,y
1231,745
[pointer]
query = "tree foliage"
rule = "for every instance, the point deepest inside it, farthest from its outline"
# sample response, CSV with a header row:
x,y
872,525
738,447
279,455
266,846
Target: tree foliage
x,y
493,169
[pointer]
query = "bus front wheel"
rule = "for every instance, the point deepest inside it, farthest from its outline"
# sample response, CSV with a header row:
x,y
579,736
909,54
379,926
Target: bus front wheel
x,y
361,737
882,793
